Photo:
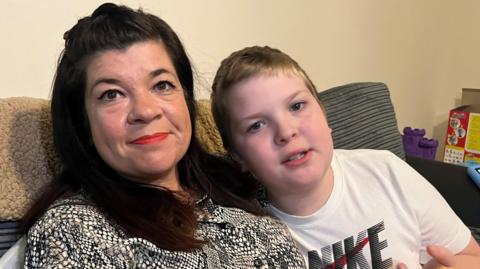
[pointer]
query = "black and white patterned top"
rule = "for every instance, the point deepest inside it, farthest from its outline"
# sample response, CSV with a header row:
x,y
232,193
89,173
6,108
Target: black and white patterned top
x,y
73,233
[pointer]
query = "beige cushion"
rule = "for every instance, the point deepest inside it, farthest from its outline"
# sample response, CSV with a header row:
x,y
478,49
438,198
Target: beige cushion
x,y
207,131
27,159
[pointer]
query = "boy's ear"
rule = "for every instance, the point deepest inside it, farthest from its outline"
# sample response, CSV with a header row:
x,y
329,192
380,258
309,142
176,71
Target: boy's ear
x,y
240,161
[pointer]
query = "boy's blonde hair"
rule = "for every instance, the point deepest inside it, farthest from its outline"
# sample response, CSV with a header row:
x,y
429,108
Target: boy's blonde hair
x,y
242,65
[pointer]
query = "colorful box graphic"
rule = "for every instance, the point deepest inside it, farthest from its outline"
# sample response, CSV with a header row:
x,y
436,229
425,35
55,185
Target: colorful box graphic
x,y
462,142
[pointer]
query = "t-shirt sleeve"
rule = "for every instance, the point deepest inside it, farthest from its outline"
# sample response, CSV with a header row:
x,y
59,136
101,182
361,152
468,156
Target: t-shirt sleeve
x,y
438,223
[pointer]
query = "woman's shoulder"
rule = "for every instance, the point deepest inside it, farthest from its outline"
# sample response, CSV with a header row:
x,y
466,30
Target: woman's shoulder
x,y
74,217
223,213
72,230
73,210
252,239
266,223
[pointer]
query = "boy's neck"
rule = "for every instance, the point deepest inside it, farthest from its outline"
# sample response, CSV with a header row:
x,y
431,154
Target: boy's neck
x,y
305,203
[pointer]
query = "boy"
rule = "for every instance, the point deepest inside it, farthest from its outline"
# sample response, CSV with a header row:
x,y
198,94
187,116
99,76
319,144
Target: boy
x,y
345,208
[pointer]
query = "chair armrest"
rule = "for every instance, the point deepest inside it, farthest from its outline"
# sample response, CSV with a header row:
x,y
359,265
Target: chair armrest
x,y
454,184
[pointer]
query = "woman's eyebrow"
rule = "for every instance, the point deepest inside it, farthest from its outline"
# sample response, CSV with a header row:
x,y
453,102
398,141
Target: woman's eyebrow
x,y
159,71
152,74
105,80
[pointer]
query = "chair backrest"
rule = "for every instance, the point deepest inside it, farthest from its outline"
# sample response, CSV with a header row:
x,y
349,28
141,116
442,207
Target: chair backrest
x,y
27,160
361,115
27,156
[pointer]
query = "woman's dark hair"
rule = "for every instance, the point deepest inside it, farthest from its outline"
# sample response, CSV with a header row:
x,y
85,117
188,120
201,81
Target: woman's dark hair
x,y
155,214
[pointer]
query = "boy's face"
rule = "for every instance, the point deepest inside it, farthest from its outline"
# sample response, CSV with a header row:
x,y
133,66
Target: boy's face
x,y
279,132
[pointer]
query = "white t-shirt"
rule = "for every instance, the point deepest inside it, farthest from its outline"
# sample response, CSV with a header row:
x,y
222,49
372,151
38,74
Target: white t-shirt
x,y
380,212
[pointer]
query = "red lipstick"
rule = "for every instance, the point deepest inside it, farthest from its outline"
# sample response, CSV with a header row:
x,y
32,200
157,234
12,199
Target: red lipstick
x,y
149,139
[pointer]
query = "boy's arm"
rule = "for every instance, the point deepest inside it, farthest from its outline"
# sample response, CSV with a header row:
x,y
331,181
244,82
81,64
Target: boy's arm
x,y
443,258
469,257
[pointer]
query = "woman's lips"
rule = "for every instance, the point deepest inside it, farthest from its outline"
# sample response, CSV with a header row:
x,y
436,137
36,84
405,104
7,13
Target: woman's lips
x,y
149,139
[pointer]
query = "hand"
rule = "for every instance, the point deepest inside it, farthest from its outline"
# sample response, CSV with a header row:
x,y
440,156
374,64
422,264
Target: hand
x,y
441,258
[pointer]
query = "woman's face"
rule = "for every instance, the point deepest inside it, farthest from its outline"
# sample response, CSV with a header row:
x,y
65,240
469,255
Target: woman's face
x,y
137,112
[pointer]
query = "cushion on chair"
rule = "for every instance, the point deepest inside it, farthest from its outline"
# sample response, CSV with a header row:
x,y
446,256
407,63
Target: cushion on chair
x,y
206,129
26,152
361,115
15,256
9,234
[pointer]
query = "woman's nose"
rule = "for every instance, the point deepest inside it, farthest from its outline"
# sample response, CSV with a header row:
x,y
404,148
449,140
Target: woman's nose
x,y
144,108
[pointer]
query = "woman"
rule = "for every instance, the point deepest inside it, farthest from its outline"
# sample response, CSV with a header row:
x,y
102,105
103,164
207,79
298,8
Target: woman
x,y
136,189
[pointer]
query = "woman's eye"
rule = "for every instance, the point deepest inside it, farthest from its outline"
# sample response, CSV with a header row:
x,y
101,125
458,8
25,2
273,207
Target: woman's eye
x,y
110,95
164,86
254,127
297,106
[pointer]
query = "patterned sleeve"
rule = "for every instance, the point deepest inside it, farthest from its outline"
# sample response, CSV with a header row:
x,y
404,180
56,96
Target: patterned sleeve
x,y
49,245
65,237
282,246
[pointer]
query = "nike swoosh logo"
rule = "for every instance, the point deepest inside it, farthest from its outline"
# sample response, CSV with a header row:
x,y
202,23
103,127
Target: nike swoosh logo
x,y
344,258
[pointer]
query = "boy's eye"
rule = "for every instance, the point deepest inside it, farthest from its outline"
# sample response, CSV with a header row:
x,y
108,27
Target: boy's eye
x,y
110,95
164,85
297,106
255,126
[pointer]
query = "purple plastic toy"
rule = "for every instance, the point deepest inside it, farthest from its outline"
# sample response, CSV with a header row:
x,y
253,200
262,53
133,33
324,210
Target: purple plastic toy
x,y
428,147
416,145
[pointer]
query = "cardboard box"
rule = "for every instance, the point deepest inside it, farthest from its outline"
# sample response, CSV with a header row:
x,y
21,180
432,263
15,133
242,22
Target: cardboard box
x,y
462,141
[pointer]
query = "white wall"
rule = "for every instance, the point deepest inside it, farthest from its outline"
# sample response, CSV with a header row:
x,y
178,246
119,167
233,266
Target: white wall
x,y
426,51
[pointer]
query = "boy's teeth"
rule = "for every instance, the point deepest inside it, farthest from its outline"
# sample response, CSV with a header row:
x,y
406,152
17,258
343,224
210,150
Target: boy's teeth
x,y
296,156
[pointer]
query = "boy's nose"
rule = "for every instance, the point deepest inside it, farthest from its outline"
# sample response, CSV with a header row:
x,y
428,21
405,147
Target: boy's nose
x,y
144,108
285,132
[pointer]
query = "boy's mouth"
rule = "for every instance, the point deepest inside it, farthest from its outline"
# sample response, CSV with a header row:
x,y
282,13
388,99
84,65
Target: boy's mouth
x,y
294,158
